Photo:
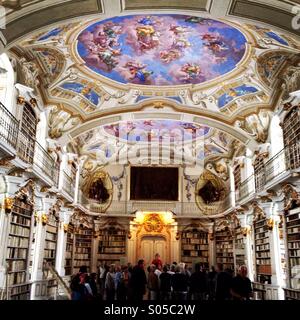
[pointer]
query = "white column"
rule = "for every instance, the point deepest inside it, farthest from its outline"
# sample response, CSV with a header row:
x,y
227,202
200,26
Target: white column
x,y
232,187
211,247
4,230
64,219
249,247
76,189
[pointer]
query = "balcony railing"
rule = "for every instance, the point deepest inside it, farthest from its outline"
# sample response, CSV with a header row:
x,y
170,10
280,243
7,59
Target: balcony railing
x,y
27,148
275,166
130,206
246,188
68,184
8,127
45,162
285,160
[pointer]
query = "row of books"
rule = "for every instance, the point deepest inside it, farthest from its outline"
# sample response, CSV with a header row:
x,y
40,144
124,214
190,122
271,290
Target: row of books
x,y
68,255
19,230
224,260
295,252
82,256
261,229
21,220
261,235
111,243
261,241
263,254
294,245
50,245
17,253
49,254
120,250
18,242
194,235
189,259
20,289
292,223
16,265
194,241
16,278
293,237
226,254
263,247
112,238
84,233
26,211
194,247
293,230
293,217
294,262
224,246
263,261
83,250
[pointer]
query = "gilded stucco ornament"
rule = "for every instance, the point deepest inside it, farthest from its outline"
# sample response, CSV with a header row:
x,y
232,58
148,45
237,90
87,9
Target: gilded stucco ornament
x,y
256,125
97,187
60,122
210,193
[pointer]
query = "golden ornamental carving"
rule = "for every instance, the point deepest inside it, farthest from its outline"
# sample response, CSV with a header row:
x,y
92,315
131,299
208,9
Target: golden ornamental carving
x,y
178,235
36,217
8,204
290,196
246,231
65,227
153,223
258,212
45,219
217,193
97,187
270,223
20,100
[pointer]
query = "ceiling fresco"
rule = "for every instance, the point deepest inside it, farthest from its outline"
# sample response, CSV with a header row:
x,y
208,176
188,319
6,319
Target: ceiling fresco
x,y
161,49
155,130
109,142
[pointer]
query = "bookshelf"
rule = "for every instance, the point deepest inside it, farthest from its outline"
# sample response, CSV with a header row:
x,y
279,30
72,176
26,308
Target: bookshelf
x,y
51,239
291,136
293,244
239,248
262,251
112,245
83,248
194,246
224,248
18,250
69,251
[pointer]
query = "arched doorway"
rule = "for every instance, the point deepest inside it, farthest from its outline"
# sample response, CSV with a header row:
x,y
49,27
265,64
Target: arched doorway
x,y
152,244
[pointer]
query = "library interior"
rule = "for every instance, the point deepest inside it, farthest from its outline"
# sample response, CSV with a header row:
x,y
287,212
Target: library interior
x,y
150,150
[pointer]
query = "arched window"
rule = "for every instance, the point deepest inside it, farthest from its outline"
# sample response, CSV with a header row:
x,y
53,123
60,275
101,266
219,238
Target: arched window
x,y
291,138
27,134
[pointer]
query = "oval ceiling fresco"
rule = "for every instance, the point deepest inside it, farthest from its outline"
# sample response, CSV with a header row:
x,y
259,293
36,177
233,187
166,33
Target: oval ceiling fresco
x,y
161,50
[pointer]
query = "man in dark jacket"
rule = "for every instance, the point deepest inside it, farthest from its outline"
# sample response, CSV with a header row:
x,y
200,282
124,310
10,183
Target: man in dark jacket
x,y
241,288
138,281
223,284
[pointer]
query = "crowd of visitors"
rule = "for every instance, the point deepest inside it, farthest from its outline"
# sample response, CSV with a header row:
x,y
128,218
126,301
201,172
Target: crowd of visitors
x,y
158,282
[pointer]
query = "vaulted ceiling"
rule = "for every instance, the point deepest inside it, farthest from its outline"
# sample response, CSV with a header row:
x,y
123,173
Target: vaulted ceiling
x,y
219,64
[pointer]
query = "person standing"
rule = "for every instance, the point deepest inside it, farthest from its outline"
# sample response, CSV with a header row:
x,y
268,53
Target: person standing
x,y
165,284
223,284
138,281
157,261
110,283
241,288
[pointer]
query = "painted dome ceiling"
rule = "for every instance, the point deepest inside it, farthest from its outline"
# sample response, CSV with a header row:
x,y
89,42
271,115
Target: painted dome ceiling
x,y
161,49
